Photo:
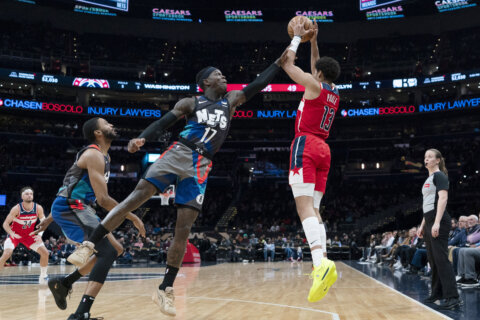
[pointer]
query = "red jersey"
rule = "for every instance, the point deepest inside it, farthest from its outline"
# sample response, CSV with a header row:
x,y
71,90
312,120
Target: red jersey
x,y
316,116
25,222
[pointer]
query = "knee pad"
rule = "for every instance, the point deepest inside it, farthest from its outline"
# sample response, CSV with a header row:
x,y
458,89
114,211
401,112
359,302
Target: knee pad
x,y
106,255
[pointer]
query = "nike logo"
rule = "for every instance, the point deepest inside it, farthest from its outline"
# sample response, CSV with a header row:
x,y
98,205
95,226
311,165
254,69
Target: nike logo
x,y
203,101
325,273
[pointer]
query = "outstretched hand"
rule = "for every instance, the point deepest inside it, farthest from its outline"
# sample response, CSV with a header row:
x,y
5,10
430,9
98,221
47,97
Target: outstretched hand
x,y
135,144
299,28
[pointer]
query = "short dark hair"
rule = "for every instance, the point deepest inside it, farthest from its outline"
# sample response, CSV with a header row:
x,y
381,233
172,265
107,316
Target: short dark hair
x,y
25,188
89,127
329,67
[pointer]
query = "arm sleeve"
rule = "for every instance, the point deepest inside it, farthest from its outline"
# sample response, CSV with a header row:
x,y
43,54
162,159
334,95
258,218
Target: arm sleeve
x,y
154,130
440,180
261,81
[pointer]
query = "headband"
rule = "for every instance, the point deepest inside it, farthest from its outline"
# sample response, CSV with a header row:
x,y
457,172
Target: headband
x,y
205,74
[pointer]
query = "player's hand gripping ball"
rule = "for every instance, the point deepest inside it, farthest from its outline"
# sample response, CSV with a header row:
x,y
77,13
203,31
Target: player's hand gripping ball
x,y
296,22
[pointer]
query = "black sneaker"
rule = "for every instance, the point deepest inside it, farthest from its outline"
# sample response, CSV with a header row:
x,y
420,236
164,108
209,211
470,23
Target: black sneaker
x,y
431,299
59,292
469,283
85,316
451,303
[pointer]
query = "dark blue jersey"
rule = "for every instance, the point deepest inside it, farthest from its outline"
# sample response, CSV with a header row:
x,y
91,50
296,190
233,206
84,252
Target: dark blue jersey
x,y
207,126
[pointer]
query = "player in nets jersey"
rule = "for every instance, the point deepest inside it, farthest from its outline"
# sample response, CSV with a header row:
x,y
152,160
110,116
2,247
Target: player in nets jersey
x,y
310,154
20,225
187,162
74,210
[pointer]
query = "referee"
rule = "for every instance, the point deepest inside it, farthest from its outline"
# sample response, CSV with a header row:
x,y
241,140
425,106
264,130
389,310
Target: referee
x,y
435,227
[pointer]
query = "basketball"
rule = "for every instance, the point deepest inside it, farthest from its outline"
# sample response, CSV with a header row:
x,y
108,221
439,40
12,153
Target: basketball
x,y
308,25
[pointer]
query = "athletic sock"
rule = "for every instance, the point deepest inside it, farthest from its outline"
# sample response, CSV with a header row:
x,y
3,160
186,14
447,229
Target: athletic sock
x,y
170,275
85,304
98,234
43,271
71,278
311,227
323,237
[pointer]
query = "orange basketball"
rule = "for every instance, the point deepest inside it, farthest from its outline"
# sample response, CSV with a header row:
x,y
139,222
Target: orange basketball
x,y
308,25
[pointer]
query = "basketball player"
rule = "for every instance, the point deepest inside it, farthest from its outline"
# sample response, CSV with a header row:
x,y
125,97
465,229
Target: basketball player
x,y
20,224
187,162
310,154
86,183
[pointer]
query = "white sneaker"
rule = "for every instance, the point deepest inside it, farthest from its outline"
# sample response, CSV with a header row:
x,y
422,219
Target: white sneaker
x,y
458,278
165,300
43,279
80,256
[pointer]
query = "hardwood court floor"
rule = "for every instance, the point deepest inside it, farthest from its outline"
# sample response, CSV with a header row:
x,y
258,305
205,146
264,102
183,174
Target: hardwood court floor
x,y
225,291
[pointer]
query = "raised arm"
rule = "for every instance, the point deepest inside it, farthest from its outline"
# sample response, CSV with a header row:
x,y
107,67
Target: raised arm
x,y
154,131
314,55
238,97
288,60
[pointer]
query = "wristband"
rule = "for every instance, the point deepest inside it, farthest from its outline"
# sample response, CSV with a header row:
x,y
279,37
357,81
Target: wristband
x,y
294,44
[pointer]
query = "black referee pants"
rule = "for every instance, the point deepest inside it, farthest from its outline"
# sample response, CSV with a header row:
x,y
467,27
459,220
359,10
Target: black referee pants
x,y
443,279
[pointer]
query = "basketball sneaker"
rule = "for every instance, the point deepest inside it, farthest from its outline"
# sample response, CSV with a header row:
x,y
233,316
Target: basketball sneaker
x,y
59,292
80,256
84,316
324,276
165,300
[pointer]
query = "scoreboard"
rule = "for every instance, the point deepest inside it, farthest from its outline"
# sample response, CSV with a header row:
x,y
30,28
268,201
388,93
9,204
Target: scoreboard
x,y
121,5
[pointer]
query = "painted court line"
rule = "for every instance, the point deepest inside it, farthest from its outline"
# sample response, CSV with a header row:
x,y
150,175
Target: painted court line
x,y
335,316
396,291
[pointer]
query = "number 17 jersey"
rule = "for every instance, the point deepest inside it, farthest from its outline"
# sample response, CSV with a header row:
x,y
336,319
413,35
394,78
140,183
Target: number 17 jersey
x,y
316,116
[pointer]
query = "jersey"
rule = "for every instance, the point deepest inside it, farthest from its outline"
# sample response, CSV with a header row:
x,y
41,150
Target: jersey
x,y
25,222
434,183
316,116
76,184
207,126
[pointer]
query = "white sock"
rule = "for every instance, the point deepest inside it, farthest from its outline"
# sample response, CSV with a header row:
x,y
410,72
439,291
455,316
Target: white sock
x,y
43,271
323,237
311,227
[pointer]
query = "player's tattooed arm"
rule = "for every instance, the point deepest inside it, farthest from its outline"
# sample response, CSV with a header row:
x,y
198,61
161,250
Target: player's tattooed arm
x,y
182,108
14,212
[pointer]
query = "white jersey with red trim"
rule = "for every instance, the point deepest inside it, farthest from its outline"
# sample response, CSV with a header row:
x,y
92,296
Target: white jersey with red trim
x,y
25,222
316,116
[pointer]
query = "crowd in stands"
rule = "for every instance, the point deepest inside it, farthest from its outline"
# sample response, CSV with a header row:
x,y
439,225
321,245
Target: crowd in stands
x,y
404,251
42,47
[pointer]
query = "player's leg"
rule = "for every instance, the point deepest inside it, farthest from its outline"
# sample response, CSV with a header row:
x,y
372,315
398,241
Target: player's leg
x,y
62,286
164,297
105,256
189,199
39,247
158,177
8,248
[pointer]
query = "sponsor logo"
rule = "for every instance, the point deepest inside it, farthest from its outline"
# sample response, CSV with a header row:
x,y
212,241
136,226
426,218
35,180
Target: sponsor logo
x,y
319,16
91,83
56,107
120,112
199,199
243,15
243,114
22,75
450,105
378,111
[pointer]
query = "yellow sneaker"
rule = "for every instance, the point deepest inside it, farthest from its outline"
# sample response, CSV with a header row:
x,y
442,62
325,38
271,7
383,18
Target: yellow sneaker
x,y
324,276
